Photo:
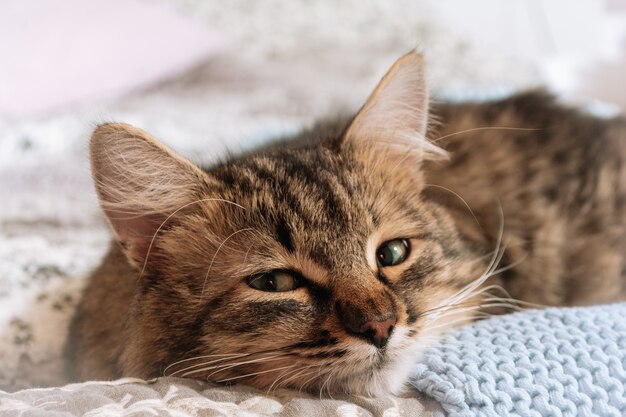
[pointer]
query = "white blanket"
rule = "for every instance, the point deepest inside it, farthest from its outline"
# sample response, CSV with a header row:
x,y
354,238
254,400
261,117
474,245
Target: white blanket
x,y
179,397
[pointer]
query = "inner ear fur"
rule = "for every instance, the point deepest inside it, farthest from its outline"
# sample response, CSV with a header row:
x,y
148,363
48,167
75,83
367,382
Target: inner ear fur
x,y
140,184
393,122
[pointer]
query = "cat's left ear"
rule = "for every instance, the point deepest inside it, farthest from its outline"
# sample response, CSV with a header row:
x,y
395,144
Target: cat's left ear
x,y
395,116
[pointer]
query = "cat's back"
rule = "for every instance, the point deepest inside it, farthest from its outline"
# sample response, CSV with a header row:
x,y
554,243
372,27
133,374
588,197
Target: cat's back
x,y
555,177
531,141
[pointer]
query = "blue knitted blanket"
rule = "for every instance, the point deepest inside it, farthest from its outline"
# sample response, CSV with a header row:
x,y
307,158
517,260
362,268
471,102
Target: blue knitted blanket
x,y
553,362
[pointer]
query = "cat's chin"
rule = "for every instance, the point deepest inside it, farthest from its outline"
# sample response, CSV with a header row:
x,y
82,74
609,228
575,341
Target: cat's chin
x,y
387,381
392,376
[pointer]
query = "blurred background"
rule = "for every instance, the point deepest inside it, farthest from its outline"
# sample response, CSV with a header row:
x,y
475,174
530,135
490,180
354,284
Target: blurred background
x,y
210,77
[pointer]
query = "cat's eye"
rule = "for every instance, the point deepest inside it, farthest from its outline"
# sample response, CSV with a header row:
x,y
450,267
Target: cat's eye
x,y
392,252
275,281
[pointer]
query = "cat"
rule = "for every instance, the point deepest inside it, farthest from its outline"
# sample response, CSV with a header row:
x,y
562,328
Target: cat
x,y
328,261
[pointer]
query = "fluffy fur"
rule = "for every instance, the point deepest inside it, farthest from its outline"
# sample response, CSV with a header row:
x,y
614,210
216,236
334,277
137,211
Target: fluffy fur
x,y
503,204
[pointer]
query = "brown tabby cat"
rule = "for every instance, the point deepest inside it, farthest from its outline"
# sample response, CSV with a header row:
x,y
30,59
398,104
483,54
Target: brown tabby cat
x,y
329,261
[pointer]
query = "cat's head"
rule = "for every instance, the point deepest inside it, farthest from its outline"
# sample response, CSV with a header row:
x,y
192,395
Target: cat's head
x,y
314,264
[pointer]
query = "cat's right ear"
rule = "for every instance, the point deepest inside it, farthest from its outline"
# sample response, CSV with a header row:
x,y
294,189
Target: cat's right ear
x,y
140,183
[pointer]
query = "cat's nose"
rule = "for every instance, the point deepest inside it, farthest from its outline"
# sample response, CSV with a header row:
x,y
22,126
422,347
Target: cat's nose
x,y
378,331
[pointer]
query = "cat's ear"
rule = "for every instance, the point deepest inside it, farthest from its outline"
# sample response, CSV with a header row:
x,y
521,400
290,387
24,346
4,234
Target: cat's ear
x,y
395,116
140,183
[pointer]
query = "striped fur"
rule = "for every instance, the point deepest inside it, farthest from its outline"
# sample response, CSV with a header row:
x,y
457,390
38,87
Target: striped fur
x,y
171,297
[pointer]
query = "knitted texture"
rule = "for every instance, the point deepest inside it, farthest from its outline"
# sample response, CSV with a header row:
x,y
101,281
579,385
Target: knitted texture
x,y
553,362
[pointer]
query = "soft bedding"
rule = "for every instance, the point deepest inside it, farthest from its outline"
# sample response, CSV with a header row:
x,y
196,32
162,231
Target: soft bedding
x,y
180,397
552,362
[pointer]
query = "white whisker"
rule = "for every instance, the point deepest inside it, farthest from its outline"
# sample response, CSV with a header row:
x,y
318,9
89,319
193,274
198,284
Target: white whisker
x,y
206,277
258,360
460,198
223,365
223,356
145,262
255,373
300,372
476,129
204,364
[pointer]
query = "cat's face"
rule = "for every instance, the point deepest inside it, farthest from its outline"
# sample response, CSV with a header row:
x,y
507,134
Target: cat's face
x,y
316,265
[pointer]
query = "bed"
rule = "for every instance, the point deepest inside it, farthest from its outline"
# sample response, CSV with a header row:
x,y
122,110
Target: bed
x,y
571,362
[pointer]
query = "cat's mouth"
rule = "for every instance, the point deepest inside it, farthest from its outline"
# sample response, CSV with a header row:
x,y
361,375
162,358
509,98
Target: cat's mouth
x,y
369,370
365,369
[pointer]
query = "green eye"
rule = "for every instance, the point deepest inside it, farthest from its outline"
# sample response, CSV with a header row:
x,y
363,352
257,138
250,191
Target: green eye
x,y
392,252
275,281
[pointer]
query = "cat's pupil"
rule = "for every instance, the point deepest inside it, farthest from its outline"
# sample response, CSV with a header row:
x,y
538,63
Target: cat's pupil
x,y
392,252
275,281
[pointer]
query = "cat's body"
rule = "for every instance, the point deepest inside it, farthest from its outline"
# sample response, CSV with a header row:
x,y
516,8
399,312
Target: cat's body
x,y
305,216
559,177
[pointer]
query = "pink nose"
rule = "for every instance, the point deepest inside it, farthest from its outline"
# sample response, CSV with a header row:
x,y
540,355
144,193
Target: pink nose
x,y
378,332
